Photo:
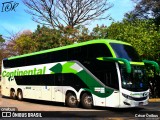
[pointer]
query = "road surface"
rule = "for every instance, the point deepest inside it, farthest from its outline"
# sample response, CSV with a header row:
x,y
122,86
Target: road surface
x,y
59,110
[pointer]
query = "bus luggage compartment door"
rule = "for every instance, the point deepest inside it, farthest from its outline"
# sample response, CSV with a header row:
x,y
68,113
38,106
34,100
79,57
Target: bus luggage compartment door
x,y
47,93
58,94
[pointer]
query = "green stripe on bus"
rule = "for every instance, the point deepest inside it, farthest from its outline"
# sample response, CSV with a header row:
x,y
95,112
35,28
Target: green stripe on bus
x,y
92,83
84,76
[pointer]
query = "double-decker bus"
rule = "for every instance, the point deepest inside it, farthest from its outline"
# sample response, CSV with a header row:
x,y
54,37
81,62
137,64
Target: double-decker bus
x,y
101,72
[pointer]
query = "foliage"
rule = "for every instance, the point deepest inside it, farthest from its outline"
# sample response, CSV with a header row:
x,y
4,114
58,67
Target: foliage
x,y
1,39
45,38
23,43
57,13
145,9
141,34
99,32
1,49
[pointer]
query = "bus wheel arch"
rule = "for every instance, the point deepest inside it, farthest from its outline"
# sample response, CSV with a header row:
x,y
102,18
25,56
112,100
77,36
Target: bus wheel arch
x,y
86,100
19,94
71,99
12,93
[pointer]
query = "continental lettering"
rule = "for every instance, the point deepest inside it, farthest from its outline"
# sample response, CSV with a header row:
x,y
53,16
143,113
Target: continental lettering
x,y
18,72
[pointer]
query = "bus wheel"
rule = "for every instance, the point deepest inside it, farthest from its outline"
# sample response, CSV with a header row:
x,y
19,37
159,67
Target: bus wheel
x,y
71,100
87,101
12,94
20,95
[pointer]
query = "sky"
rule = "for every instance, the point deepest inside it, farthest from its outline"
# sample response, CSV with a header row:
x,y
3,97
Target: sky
x,y
15,20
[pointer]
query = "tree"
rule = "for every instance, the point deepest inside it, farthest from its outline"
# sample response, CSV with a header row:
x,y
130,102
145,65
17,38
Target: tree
x,y
145,9
46,38
23,43
140,33
1,42
99,32
2,55
57,13
10,44
1,39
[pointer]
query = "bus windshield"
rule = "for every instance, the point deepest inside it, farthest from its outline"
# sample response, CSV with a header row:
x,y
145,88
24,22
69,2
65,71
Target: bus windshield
x,y
135,81
125,51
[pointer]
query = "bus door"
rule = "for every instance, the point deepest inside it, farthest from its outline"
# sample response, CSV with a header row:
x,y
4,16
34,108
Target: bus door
x,y
58,88
112,77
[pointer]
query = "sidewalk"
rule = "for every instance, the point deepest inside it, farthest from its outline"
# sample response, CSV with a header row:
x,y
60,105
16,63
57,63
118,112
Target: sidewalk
x,y
154,100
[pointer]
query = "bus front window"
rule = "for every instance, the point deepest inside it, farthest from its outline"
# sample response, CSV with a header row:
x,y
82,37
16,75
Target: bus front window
x,y
125,51
136,80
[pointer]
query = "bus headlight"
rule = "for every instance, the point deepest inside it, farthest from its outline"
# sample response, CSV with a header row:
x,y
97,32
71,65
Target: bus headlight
x,y
127,96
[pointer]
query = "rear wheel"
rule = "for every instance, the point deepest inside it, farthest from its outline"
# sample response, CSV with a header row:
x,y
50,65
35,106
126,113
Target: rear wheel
x,y
20,95
87,101
13,94
71,100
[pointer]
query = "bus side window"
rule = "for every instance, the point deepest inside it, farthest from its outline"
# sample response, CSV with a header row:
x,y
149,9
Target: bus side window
x,y
73,54
58,56
98,50
77,53
70,79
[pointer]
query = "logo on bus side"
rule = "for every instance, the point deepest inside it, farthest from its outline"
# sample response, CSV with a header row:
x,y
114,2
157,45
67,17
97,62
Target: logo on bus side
x,y
18,72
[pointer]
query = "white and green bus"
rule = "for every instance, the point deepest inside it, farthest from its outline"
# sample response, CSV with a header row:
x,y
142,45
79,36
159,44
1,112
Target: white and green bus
x,y
99,72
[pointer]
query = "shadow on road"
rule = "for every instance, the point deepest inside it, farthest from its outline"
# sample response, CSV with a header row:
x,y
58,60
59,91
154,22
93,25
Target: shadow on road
x,y
95,112
118,110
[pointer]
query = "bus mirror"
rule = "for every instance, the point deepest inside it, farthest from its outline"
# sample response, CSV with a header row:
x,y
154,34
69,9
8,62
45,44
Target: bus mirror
x,y
125,61
155,64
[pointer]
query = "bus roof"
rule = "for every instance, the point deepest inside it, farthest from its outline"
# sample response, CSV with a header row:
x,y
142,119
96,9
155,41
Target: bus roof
x,y
107,41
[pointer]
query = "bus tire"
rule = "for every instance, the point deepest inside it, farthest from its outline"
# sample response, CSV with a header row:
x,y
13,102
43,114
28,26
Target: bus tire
x,y
71,100
87,101
12,94
20,95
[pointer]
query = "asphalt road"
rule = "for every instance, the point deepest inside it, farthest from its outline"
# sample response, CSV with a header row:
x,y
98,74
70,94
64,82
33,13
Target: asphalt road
x,y
59,110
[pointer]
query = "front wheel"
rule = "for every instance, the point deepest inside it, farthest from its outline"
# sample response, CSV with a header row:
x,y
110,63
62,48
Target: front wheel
x,y
20,95
87,101
71,100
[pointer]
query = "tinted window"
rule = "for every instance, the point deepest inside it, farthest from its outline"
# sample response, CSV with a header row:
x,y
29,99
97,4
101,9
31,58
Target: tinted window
x,y
98,50
81,54
77,53
109,78
125,51
39,80
58,56
50,57
136,81
59,79
105,71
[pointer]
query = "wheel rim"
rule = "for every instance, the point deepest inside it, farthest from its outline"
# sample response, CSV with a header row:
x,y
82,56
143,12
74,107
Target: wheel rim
x,y
72,100
12,94
88,100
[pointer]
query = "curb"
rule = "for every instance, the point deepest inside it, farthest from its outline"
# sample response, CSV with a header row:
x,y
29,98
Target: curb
x,y
154,100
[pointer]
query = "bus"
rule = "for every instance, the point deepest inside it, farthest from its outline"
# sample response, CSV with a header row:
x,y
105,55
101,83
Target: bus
x,y
103,72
